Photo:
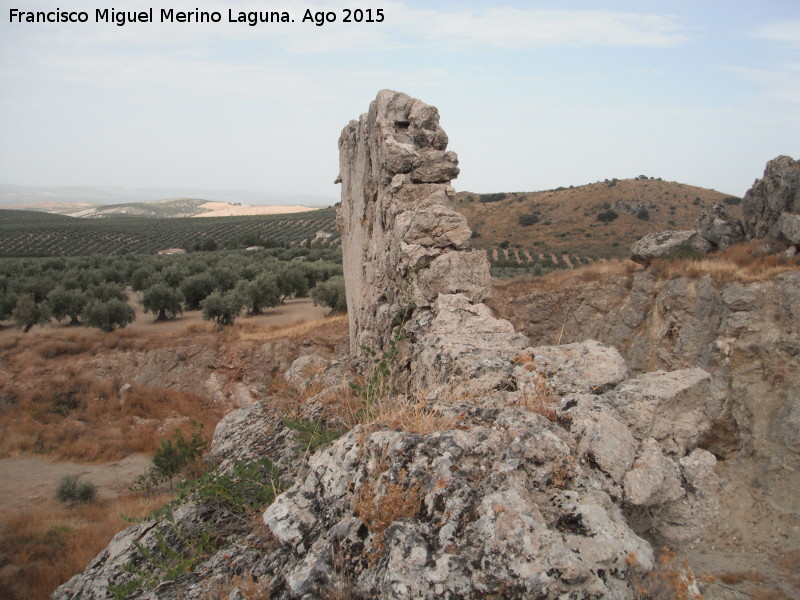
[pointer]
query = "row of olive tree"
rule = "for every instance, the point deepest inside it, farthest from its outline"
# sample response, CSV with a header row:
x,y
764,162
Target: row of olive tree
x,y
92,290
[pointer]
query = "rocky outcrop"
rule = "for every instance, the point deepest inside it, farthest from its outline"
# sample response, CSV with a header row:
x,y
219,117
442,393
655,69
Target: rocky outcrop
x,y
552,476
745,335
777,192
718,228
771,210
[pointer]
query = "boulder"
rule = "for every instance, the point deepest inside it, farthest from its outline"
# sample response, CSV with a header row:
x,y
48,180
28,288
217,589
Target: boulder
x,y
663,243
778,191
720,229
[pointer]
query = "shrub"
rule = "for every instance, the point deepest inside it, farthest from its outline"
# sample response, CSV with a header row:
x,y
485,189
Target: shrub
x,y
607,215
173,456
71,491
527,220
732,201
643,214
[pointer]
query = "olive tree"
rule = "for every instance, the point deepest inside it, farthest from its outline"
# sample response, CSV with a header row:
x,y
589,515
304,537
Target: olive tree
x,y
28,313
164,300
108,315
222,308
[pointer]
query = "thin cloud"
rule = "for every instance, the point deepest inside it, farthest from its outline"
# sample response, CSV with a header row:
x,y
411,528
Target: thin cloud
x,y
513,28
780,85
784,32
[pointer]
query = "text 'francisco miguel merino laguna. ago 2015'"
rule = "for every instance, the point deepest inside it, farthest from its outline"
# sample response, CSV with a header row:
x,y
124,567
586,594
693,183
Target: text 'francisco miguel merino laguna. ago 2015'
x,y
169,15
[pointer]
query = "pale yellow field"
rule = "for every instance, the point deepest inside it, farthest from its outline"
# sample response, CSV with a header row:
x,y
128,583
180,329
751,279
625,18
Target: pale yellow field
x,y
223,209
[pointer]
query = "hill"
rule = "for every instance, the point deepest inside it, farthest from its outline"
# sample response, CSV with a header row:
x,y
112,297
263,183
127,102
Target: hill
x,y
69,199
587,222
27,233
173,208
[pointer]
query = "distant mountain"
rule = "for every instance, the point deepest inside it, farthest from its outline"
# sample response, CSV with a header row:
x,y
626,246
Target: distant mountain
x,y
67,198
176,208
597,220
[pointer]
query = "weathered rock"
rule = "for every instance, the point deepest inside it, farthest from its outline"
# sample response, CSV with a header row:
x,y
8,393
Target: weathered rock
x,y
584,367
664,243
789,227
468,522
654,479
670,407
720,229
778,191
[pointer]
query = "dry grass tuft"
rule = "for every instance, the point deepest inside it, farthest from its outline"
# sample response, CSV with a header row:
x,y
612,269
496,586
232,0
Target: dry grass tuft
x,y
736,578
379,510
672,579
41,547
247,585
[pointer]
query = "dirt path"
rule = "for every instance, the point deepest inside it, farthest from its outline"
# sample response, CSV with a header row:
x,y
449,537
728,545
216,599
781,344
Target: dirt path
x,y
28,480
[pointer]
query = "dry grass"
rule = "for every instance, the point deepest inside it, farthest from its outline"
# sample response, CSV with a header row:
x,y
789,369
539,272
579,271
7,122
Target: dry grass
x,y
748,262
42,547
378,506
73,417
335,325
671,579
737,578
505,293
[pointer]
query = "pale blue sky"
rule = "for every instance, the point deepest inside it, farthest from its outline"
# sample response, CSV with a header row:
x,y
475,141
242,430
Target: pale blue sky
x,y
533,95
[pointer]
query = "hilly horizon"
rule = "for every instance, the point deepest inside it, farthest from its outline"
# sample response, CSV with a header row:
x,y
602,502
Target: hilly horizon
x,y
557,228
596,220
71,199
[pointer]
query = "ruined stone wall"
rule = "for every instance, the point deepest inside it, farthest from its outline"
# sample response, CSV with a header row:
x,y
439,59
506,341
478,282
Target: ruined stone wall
x,y
405,251
395,217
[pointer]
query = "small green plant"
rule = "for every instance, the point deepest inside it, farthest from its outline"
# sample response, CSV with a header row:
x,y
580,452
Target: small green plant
x,y
313,434
176,551
684,253
247,488
172,456
71,491
378,384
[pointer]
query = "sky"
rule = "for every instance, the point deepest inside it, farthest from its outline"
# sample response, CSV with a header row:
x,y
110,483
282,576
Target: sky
x,y
533,95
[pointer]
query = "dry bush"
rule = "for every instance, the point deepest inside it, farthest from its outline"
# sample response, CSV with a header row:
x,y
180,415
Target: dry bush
x,y
41,547
671,579
736,578
379,510
247,585
536,395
